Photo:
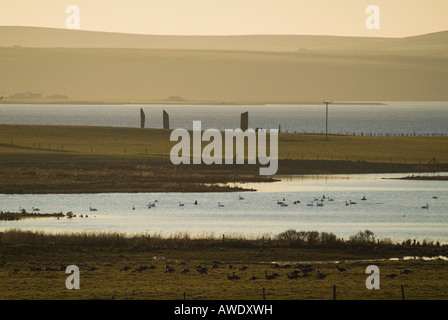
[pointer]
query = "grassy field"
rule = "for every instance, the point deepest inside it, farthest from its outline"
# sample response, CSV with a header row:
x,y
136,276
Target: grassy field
x,y
52,159
32,266
155,144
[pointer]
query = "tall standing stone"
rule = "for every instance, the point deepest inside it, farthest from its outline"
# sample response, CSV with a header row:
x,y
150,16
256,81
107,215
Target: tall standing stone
x,y
142,118
166,120
244,121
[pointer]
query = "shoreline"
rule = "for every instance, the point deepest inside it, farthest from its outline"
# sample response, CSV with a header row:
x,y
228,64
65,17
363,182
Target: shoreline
x,y
173,102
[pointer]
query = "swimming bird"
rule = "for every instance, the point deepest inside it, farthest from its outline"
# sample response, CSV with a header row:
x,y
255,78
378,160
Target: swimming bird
x,y
426,207
133,208
240,198
435,197
35,209
363,198
220,205
92,209
181,204
196,202
311,204
351,202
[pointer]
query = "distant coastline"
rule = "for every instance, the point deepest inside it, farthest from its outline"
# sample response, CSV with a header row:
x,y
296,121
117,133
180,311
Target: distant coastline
x,y
170,102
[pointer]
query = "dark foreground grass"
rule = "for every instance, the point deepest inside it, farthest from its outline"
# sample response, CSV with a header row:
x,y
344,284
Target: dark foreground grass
x,y
114,266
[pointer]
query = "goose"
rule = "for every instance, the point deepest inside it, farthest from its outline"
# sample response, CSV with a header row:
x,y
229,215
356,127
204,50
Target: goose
x,y
426,207
320,204
240,198
220,205
351,202
92,209
181,204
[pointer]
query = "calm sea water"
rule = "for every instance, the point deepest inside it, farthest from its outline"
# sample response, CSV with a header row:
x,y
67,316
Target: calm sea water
x,y
390,117
393,209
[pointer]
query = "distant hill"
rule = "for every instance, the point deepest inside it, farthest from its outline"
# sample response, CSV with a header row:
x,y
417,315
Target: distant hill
x,y
108,67
435,43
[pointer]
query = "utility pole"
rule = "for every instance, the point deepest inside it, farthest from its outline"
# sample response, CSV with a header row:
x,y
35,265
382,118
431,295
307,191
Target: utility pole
x,y
326,118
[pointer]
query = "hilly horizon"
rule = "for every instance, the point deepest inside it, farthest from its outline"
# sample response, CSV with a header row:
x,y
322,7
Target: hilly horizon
x,y
130,68
39,37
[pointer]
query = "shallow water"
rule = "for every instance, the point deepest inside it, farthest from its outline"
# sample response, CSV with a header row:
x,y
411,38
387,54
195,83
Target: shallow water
x,y
392,209
389,118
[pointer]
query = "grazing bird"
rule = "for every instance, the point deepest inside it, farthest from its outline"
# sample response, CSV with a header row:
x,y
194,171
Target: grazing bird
x,y
253,278
202,270
406,271
125,268
244,268
215,266
185,271
392,276
293,275
340,269
320,275
168,269
271,276
233,277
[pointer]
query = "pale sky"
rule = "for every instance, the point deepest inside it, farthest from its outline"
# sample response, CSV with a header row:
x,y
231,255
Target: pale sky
x,y
398,18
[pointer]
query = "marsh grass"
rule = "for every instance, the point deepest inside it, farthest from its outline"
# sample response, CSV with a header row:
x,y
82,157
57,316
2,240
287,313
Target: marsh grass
x,y
115,266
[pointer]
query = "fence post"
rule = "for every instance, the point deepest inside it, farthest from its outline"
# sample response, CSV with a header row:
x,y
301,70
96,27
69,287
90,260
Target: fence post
x,y
185,296
264,294
402,293
334,292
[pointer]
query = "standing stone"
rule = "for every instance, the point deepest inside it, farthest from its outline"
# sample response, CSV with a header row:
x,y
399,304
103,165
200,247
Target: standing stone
x,y
142,118
244,121
166,120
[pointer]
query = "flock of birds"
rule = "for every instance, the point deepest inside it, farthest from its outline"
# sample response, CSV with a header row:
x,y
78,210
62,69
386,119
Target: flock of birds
x,y
300,271
294,272
318,202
